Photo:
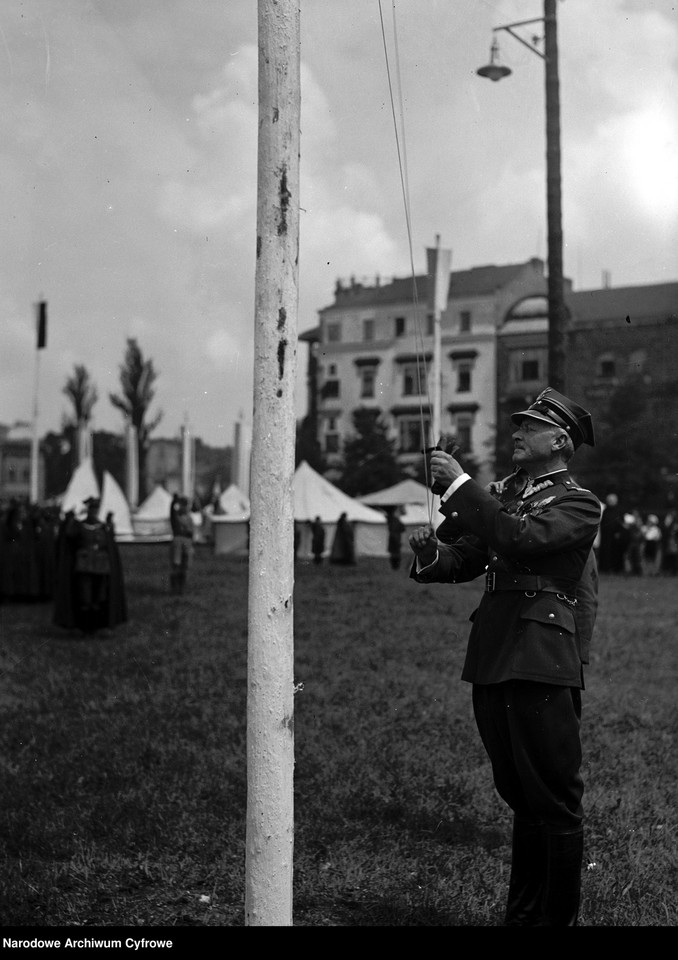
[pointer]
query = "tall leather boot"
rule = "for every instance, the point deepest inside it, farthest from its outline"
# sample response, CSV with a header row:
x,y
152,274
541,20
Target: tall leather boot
x,y
564,855
528,874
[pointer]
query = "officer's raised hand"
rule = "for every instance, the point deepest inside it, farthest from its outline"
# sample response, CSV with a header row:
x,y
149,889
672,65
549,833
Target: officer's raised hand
x,y
444,468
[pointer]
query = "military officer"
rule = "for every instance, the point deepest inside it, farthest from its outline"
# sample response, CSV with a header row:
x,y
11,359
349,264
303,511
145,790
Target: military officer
x,y
531,538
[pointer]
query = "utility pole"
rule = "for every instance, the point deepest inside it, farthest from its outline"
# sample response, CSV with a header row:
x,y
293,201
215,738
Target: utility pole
x,y
558,313
270,650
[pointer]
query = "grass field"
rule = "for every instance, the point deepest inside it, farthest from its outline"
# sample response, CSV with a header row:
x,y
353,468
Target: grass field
x,y
123,757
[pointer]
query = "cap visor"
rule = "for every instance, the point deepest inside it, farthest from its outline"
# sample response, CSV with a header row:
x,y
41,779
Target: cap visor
x,y
517,417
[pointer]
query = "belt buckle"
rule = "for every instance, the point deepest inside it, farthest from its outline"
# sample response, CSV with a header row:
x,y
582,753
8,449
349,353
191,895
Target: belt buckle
x,y
490,579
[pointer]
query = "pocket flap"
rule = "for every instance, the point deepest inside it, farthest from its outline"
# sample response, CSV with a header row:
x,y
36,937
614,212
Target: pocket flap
x,y
547,610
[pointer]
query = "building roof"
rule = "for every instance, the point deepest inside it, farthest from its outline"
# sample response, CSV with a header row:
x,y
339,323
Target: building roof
x,y
475,282
652,301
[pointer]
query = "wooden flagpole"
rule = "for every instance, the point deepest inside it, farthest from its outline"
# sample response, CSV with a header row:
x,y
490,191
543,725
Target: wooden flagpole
x,y
270,674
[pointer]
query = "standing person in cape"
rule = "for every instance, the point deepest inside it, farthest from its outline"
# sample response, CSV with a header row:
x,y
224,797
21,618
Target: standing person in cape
x,y
317,540
343,544
532,539
396,528
90,587
182,545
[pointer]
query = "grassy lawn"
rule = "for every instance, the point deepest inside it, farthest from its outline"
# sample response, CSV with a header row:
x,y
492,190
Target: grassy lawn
x,y
123,757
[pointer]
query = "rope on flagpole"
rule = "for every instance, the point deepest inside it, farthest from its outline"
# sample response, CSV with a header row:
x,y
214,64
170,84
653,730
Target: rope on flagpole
x,y
402,166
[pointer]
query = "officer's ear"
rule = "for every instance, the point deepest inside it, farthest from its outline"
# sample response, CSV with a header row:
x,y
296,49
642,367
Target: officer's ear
x,y
559,441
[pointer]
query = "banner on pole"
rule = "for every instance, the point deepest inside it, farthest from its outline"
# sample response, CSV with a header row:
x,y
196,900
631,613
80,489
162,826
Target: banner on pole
x,y
42,324
439,264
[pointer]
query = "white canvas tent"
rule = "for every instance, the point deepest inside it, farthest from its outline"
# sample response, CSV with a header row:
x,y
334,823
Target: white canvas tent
x,y
113,501
414,502
152,520
230,527
314,496
406,492
82,485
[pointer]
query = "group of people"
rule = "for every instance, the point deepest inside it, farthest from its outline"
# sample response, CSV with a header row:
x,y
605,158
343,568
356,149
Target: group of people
x,y
342,550
28,533
630,542
70,561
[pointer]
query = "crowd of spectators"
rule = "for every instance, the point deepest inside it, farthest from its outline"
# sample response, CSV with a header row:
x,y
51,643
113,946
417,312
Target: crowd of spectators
x,y
636,543
28,537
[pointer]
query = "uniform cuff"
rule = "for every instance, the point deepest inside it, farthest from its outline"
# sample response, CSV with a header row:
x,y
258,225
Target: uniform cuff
x,y
454,486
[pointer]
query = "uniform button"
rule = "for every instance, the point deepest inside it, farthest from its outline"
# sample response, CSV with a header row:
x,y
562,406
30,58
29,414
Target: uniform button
x,y
494,558
552,616
454,515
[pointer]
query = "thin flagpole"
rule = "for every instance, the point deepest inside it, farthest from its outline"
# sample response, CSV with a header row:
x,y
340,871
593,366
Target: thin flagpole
x,y
41,340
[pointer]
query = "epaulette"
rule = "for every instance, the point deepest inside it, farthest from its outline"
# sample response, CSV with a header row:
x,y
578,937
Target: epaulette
x,y
573,486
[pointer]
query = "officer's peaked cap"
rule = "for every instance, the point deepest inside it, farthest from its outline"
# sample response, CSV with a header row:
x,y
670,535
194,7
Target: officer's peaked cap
x,y
553,407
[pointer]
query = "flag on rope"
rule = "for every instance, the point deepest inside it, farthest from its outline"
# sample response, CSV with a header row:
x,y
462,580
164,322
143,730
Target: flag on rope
x,y
439,264
42,324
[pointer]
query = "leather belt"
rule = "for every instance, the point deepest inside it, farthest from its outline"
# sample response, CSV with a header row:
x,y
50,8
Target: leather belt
x,y
496,580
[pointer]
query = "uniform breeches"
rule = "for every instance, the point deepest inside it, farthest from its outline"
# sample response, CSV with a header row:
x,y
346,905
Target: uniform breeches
x,y
531,734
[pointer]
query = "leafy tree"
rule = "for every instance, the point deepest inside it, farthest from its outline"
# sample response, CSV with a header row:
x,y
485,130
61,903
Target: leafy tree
x,y
82,393
137,376
307,446
58,453
636,451
369,461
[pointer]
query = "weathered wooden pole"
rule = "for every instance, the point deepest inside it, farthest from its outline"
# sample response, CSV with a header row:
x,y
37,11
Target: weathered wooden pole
x,y
270,660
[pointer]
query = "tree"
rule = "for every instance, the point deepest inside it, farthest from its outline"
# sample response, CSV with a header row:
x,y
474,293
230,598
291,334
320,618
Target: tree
x,y
636,445
369,461
82,393
308,448
137,376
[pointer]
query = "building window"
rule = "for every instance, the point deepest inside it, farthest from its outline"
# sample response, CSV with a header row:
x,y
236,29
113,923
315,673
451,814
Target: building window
x,y
529,370
464,377
410,430
368,329
368,379
330,390
399,326
331,436
465,321
430,324
333,331
464,425
606,366
414,379
11,474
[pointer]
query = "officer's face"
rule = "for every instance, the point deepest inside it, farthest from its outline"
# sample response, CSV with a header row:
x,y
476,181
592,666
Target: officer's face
x,y
533,442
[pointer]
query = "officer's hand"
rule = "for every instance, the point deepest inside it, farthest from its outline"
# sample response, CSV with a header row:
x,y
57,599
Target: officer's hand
x,y
444,468
424,544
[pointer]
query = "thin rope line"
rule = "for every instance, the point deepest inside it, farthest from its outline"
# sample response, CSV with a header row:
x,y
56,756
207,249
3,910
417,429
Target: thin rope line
x,y
402,165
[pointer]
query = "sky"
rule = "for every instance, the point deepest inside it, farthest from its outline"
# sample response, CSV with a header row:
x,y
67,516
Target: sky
x,y
128,175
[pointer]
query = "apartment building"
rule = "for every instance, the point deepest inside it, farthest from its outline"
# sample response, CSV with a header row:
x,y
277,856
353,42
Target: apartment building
x,y
374,348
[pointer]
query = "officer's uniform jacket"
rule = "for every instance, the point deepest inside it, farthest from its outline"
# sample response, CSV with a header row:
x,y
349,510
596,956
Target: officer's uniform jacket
x,y
536,616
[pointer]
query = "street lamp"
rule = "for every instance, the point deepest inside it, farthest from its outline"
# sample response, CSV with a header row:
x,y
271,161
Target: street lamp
x,y
494,71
